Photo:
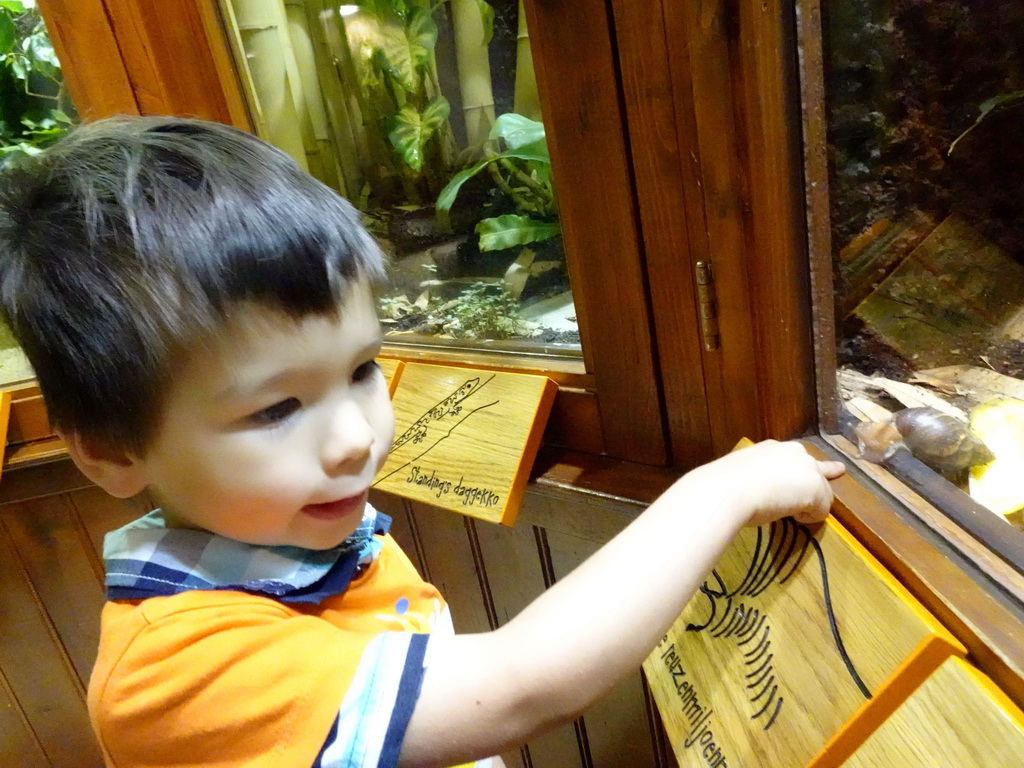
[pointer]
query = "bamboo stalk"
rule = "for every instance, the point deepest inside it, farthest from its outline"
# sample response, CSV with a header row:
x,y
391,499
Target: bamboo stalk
x,y
526,99
347,137
474,70
316,137
261,29
444,54
242,63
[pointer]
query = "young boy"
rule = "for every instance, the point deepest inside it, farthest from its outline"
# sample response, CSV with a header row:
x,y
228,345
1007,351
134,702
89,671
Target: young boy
x,y
199,315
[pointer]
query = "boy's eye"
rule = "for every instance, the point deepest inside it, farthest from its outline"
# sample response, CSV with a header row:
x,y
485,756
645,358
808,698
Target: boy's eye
x,y
365,371
276,413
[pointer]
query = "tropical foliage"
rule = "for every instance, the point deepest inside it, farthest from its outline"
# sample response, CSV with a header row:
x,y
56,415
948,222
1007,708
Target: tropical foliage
x,y
404,110
34,108
518,161
989,107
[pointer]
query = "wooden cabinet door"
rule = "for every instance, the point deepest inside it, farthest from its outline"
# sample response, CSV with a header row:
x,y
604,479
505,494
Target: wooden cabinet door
x,y
713,115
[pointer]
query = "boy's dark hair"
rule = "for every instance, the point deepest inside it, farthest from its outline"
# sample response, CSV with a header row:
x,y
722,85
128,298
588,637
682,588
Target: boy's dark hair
x,y
128,241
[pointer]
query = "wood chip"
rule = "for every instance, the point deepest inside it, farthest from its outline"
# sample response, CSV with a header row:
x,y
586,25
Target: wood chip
x,y
908,395
864,409
977,384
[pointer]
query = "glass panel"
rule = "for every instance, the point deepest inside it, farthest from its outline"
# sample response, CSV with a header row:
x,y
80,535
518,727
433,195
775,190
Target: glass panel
x,y
425,115
35,111
925,108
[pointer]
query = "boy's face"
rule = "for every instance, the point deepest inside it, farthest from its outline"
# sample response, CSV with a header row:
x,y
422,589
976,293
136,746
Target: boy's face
x,y
274,432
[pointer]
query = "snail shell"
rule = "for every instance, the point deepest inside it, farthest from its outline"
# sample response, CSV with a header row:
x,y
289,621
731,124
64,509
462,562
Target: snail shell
x,y
939,440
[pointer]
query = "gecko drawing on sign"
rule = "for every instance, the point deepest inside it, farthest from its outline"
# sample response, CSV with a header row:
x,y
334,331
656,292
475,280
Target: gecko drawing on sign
x,y
772,562
439,423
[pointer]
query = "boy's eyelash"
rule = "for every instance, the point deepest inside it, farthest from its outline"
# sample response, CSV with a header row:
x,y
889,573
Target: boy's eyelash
x,y
276,413
366,370
280,411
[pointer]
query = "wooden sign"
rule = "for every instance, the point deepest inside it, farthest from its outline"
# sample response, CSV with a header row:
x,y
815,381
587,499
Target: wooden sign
x,y
958,717
796,642
5,421
466,439
392,371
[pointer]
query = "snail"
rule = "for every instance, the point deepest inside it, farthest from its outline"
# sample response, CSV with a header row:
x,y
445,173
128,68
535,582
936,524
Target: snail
x,y
937,439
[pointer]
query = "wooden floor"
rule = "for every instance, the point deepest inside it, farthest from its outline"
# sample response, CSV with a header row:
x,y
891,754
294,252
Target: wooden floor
x,y
51,529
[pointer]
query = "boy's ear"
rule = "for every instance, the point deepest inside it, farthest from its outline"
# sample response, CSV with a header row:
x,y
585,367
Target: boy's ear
x,y
119,474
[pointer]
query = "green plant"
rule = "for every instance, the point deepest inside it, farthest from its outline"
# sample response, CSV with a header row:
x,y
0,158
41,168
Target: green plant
x,y
989,107
404,112
33,104
516,156
484,311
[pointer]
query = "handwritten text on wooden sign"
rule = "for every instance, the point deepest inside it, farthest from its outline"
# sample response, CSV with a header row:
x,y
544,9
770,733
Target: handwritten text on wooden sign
x,y
465,439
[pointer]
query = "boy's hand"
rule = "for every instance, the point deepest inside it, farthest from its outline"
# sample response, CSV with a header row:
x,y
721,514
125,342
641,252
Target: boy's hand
x,y
772,480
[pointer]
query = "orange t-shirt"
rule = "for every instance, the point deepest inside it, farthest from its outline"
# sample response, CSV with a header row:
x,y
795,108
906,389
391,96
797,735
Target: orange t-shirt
x,y
228,678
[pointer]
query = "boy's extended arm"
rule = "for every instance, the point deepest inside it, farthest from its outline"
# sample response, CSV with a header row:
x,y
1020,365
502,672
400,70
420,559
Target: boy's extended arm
x,y
485,693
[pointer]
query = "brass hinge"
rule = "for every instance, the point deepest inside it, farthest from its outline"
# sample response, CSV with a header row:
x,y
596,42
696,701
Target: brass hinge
x,y
707,305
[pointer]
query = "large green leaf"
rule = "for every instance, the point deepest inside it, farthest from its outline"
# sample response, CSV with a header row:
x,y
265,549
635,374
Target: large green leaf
x,y
421,34
516,130
447,196
510,230
39,49
411,130
405,49
16,7
988,107
8,33
536,152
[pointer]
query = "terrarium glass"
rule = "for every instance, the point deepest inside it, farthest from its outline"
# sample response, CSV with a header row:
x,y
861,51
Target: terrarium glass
x,y
925,107
426,116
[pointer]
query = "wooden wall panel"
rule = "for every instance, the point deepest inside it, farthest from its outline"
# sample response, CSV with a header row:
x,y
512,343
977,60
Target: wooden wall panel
x,y
617,734
39,670
518,569
451,564
489,573
18,744
58,560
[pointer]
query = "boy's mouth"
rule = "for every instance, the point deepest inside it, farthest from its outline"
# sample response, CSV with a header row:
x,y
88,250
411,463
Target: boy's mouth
x,y
333,510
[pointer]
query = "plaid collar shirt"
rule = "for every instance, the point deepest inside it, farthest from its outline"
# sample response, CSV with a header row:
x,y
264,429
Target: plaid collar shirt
x,y
146,558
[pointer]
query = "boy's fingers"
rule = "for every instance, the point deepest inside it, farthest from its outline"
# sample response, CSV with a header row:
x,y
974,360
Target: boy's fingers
x,y
831,469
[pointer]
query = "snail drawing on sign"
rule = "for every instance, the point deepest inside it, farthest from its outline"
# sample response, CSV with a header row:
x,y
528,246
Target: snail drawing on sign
x,y
439,423
733,614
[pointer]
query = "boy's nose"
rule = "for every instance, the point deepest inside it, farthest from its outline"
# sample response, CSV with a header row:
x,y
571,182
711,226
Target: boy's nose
x,y
347,440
